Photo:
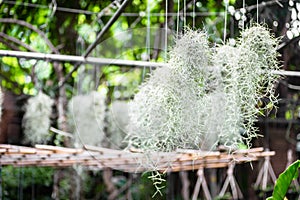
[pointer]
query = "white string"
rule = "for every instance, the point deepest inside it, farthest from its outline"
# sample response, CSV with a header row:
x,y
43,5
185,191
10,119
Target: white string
x,y
225,20
194,5
256,11
178,16
148,36
243,16
166,31
148,30
184,13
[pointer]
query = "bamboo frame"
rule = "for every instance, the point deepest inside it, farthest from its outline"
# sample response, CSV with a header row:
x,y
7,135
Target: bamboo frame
x,y
100,61
99,158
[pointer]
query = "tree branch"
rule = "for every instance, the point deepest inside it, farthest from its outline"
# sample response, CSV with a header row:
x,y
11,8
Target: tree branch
x,y
285,44
15,40
15,84
264,4
9,45
30,26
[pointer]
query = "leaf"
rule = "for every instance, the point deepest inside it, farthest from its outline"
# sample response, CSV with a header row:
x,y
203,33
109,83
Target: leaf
x,y
284,180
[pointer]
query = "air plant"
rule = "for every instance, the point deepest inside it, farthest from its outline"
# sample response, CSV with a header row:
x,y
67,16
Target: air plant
x,y
202,98
36,120
117,121
166,112
256,81
226,62
86,115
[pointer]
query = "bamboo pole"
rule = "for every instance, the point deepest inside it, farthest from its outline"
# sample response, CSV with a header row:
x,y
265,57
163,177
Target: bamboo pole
x,y
79,59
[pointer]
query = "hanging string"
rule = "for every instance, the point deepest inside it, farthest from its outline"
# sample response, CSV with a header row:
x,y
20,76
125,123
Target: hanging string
x,y
243,16
225,19
166,31
53,7
184,13
194,13
148,38
178,16
81,70
148,30
256,11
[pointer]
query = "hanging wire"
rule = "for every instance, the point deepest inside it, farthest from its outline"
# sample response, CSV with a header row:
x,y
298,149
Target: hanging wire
x,y
178,16
53,8
148,37
126,14
79,49
166,31
256,11
194,6
243,16
225,19
184,13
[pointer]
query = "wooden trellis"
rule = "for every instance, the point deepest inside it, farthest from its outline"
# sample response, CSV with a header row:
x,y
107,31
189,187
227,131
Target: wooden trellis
x,y
98,157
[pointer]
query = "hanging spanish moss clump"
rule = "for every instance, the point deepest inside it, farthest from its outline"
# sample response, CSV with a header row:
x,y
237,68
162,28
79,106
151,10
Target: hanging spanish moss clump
x,y
36,120
117,122
257,62
86,115
227,60
166,113
204,99
247,80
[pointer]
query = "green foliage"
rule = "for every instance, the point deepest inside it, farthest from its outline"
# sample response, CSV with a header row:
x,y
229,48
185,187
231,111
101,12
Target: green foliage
x,y
40,178
284,180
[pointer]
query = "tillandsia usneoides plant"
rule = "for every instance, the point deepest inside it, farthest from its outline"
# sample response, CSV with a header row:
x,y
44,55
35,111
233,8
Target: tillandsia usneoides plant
x,y
226,60
166,112
117,123
257,61
203,99
86,115
247,78
200,100
36,120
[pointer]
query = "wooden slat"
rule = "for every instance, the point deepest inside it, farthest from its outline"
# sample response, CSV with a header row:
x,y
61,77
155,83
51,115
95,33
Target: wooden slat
x,y
58,149
98,157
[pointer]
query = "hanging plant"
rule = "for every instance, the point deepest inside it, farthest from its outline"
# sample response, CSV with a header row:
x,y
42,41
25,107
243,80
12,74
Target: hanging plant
x,y
117,122
166,112
203,99
86,118
36,120
248,78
